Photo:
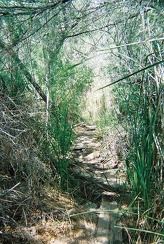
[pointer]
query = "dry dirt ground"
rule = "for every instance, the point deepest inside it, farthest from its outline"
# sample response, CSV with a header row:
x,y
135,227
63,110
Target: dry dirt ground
x,y
89,213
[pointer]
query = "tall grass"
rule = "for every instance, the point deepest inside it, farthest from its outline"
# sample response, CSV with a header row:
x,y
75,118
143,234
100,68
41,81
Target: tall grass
x,y
140,105
67,85
139,100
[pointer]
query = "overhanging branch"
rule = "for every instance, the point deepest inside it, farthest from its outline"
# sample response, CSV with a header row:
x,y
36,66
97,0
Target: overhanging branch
x,y
134,73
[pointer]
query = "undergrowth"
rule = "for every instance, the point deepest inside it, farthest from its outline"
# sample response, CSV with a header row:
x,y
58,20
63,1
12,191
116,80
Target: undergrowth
x,y
140,113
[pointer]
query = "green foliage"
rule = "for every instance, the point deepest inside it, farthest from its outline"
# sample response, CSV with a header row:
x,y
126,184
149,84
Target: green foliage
x,y
140,114
34,62
68,83
34,57
106,116
55,145
67,89
11,81
138,98
140,108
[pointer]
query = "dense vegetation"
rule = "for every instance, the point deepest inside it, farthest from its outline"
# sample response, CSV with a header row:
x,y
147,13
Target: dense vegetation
x,y
44,75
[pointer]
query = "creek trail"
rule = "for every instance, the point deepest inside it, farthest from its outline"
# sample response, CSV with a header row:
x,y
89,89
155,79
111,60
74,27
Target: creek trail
x,y
101,169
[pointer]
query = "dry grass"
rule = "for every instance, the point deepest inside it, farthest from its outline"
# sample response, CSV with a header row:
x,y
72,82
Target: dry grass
x,y
46,219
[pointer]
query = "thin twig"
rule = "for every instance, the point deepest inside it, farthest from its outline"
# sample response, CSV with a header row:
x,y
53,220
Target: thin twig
x,y
8,191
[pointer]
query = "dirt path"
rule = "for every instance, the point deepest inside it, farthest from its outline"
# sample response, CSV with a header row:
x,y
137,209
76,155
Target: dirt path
x,y
95,166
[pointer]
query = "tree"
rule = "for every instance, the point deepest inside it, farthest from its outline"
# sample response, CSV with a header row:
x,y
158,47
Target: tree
x,y
32,41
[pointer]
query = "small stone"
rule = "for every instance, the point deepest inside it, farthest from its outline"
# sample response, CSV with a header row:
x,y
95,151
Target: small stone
x,y
96,162
94,145
79,146
91,127
93,155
